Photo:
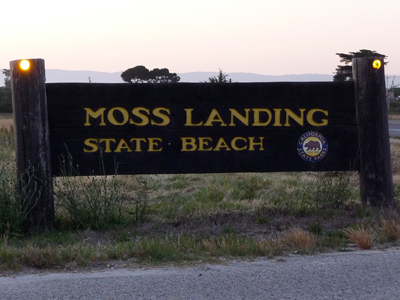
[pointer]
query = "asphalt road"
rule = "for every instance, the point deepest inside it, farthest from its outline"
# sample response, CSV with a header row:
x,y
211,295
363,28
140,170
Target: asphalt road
x,y
394,128
346,275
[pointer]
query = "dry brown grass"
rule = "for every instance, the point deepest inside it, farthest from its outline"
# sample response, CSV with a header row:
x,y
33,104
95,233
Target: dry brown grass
x,y
203,217
274,244
300,239
391,228
361,236
209,245
7,129
395,150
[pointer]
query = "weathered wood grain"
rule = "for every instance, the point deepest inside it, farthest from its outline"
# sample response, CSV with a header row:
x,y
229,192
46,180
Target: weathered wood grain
x,y
32,145
376,182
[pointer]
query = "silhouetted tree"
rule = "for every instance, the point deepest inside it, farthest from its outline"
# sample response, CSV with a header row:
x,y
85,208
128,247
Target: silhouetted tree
x,y
344,72
163,76
396,92
140,74
7,80
5,93
221,78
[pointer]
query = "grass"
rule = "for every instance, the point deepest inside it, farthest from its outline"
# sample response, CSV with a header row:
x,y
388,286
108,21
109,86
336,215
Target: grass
x,y
361,236
300,239
390,227
129,221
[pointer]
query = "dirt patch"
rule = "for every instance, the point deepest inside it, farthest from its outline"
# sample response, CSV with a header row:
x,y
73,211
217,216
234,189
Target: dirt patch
x,y
6,123
394,117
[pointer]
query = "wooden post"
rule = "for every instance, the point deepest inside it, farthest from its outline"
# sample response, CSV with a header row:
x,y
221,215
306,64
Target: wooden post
x,y
32,144
376,182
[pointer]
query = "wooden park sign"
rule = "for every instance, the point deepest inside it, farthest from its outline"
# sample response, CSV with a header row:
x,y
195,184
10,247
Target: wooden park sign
x,y
202,128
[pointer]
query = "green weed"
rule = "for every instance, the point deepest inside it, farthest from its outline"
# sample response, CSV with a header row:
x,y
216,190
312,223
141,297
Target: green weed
x,y
175,218
248,186
315,228
333,190
96,202
15,200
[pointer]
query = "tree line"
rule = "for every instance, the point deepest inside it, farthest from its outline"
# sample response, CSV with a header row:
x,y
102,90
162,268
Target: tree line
x,y
140,74
5,93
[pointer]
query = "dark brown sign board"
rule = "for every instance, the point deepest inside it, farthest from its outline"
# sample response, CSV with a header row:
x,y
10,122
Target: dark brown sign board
x,y
202,127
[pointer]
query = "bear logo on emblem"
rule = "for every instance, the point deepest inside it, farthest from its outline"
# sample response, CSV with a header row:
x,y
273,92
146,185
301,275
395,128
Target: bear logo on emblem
x,y
312,146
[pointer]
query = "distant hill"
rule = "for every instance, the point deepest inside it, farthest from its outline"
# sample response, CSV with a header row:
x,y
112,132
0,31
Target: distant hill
x,y
251,77
55,75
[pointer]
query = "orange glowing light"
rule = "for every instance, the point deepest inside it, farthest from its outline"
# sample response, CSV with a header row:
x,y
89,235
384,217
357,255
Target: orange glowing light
x,y
377,64
24,64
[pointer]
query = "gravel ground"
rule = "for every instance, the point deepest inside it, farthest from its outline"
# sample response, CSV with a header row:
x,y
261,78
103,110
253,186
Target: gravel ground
x,y
346,275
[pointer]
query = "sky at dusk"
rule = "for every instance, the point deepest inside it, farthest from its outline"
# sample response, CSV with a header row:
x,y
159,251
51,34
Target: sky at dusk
x,y
257,36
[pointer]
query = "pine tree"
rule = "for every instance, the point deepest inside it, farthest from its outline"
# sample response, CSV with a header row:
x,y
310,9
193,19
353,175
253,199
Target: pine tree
x,y
344,72
222,78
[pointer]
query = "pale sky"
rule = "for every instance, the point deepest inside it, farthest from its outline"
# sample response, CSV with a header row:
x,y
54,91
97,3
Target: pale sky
x,y
270,37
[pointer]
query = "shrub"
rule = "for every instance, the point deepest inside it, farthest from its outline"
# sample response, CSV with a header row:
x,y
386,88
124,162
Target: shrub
x,y
96,202
300,239
12,212
391,228
360,236
333,189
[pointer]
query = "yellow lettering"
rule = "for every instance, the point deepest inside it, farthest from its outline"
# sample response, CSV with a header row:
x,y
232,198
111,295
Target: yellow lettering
x,y
165,119
203,141
235,147
257,116
91,143
112,119
123,145
153,142
96,114
243,119
189,118
252,143
298,119
310,117
138,143
214,117
108,144
221,144
277,117
188,141
144,119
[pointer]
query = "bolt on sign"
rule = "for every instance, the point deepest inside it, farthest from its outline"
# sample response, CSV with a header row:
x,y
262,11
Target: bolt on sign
x,y
202,127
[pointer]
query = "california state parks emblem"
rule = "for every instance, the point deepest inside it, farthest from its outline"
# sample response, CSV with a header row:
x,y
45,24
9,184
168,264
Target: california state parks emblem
x,y
312,146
